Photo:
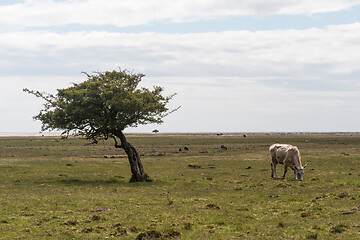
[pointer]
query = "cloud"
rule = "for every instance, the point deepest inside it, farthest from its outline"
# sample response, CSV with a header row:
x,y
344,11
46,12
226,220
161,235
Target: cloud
x,y
294,54
284,80
39,13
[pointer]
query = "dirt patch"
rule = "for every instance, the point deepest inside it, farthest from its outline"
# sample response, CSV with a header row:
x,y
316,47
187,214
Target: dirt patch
x,y
153,235
212,206
338,228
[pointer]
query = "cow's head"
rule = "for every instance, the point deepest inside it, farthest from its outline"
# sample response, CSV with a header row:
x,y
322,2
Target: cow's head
x,y
299,172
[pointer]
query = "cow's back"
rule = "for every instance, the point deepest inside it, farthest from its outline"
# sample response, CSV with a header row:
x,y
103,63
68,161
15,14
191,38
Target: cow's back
x,y
273,148
293,154
278,152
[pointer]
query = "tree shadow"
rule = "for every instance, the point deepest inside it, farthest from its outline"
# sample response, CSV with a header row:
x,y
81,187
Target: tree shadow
x,y
110,181
78,181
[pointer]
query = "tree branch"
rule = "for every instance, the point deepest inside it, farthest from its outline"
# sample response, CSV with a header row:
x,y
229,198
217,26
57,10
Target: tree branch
x,y
116,142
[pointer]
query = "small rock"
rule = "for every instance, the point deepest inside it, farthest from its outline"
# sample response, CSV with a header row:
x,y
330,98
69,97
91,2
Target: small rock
x,y
101,209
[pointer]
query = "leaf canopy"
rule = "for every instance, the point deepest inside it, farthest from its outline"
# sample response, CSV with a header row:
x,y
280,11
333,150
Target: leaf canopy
x,y
103,105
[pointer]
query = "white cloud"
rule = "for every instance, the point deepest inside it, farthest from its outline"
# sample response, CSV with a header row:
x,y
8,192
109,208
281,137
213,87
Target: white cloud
x,y
311,53
39,13
227,81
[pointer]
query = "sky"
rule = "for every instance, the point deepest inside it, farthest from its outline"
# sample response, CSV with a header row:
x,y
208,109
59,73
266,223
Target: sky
x,y
236,65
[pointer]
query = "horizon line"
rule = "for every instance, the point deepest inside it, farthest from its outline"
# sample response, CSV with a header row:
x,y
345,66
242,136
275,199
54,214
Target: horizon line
x,y
29,134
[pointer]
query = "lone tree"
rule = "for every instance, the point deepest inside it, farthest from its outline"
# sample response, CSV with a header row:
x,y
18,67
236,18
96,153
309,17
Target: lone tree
x,y
102,107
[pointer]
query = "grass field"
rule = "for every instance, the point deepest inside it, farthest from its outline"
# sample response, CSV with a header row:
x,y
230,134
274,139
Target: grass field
x,y
51,189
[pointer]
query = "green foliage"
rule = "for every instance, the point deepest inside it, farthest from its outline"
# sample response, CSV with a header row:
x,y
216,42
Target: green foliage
x,y
103,105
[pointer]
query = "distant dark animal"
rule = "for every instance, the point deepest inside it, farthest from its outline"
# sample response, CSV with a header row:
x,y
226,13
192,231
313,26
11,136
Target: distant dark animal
x,y
194,166
244,136
289,156
115,156
223,147
186,148
180,149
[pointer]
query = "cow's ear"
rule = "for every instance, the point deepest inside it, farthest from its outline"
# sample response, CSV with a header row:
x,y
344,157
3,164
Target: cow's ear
x,y
305,166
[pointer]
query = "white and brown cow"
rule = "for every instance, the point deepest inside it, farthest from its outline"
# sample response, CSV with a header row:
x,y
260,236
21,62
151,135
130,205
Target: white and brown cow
x,y
289,156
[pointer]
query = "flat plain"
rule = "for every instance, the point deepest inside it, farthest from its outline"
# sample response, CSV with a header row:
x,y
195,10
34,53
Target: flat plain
x,y
65,189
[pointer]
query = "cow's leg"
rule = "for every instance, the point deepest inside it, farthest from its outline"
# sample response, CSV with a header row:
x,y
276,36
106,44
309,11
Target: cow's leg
x,y
285,170
293,167
273,170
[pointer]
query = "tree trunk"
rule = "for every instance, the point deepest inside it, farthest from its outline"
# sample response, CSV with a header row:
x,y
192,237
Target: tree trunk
x,y
137,169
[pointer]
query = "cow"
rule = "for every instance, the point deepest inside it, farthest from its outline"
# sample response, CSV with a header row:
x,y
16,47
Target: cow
x,y
289,156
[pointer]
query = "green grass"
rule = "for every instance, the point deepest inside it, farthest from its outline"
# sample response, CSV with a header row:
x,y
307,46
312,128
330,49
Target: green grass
x,y
51,189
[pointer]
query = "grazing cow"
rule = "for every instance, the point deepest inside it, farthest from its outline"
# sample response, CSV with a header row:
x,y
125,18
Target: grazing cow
x,y
289,156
